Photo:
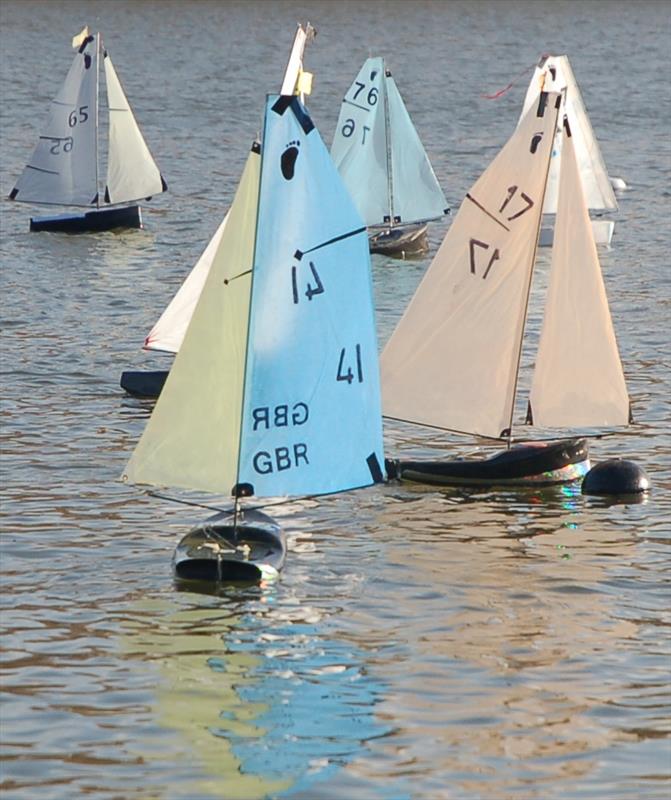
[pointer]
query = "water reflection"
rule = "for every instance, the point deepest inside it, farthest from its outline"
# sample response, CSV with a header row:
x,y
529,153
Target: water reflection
x,y
264,702
532,629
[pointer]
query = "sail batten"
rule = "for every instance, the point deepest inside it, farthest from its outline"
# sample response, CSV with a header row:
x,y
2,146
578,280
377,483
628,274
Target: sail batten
x,y
452,360
578,379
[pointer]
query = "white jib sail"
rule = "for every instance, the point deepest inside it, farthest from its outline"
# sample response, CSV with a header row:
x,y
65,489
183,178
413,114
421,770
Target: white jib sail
x,y
131,171
63,167
452,360
192,437
416,193
168,333
553,74
578,379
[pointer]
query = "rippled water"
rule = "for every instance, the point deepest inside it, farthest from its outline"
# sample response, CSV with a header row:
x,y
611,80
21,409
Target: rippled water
x,y
421,645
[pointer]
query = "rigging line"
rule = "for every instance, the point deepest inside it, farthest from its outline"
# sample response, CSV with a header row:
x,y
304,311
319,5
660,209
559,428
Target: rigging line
x,y
233,512
501,92
441,428
482,208
300,253
235,277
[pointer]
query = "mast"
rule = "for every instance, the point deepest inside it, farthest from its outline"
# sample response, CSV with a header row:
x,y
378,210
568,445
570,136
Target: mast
x,y
541,101
97,148
242,489
387,138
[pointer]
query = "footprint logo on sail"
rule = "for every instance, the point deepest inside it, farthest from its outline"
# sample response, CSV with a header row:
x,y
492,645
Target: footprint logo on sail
x,y
288,159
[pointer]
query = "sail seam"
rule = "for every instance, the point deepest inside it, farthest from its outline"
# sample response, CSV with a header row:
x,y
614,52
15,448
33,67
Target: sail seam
x,y
48,171
356,105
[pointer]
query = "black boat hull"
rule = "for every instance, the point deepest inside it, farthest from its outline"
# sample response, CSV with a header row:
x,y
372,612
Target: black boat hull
x,y
215,552
408,240
103,219
538,464
144,383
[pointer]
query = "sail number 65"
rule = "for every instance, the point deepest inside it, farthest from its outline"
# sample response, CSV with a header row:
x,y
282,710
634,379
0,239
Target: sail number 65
x,y
75,117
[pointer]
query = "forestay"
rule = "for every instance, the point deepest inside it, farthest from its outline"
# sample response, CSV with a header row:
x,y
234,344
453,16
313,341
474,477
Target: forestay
x,y
287,313
168,333
578,379
131,171
554,74
380,156
452,360
63,167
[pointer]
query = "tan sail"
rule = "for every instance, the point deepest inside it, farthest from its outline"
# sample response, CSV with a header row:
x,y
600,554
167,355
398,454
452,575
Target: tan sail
x,y
452,360
192,438
578,379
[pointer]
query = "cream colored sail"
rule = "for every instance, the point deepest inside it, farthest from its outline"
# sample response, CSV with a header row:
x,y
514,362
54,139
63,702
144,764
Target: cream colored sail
x,y
192,437
168,333
452,360
578,379
554,74
131,171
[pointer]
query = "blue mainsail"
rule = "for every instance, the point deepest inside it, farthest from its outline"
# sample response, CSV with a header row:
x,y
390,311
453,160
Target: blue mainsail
x,y
380,155
311,421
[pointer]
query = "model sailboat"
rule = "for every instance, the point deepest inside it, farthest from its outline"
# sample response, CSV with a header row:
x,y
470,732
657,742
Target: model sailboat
x,y
384,165
167,334
453,360
274,390
65,165
554,74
